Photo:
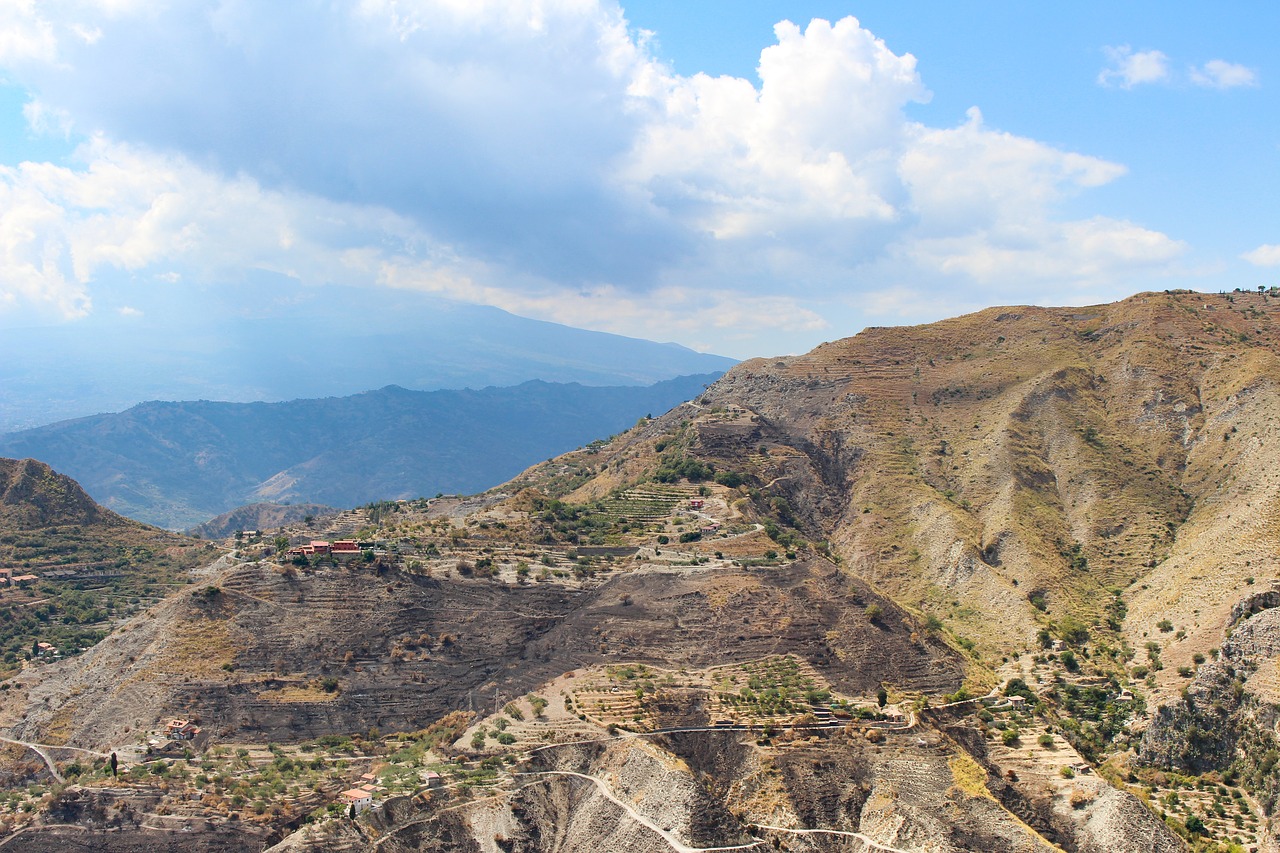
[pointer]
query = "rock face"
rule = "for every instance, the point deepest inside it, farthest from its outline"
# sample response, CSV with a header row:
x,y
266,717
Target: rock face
x,y
699,790
1232,702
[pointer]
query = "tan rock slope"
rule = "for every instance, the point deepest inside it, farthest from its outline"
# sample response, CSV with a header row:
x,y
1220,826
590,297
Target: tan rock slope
x,y
974,467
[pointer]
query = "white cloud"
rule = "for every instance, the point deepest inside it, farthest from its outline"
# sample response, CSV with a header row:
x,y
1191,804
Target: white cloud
x,y
1219,74
533,156
1267,255
128,311
1127,69
25,35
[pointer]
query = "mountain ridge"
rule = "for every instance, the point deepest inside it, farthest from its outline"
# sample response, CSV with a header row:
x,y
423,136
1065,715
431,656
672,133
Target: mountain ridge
x,y
180,464
307,342
960,586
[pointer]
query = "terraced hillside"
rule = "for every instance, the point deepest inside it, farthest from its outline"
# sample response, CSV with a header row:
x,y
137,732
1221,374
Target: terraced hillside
x,y
928,589
1024,463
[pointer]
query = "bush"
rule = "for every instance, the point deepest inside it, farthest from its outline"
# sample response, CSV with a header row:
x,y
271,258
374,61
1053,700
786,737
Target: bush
x,y
1045,740
732,479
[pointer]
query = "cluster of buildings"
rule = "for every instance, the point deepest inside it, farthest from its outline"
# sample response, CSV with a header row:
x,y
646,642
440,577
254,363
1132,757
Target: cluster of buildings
x,y
338,548
8,578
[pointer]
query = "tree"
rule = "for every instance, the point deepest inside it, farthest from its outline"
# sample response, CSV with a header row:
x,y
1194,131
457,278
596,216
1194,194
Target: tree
x,y
282,544
882,697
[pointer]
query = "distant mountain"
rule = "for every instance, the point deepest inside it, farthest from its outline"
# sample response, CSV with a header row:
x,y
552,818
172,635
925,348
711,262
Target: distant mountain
x,y
178,464
289,342
259,516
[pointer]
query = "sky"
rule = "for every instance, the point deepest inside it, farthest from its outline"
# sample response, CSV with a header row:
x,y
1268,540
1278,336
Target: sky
x,y
747,178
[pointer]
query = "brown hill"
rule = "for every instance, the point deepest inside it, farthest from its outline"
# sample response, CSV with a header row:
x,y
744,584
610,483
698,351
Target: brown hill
x,y
266,517
983,467
33,495
1024,492
85,567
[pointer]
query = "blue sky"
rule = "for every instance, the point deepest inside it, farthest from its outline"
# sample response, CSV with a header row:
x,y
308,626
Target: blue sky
x,y
697,172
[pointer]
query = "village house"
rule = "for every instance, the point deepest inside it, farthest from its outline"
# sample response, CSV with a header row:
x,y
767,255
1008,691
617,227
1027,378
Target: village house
x,y
696,503
432,779
345,548
181,729
356,798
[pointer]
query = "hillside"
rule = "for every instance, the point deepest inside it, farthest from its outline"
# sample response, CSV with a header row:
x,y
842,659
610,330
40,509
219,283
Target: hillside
x,y
1032,462
669,698
1003,582
180,464
78,569
306,342
259,516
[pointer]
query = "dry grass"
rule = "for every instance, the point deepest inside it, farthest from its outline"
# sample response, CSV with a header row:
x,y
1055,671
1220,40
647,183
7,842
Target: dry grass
x,y
969,776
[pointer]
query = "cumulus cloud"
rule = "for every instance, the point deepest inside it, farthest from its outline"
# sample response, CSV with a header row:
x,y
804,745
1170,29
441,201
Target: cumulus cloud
x,y
528,154
1267,255
1127,69
1219,74
25,35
